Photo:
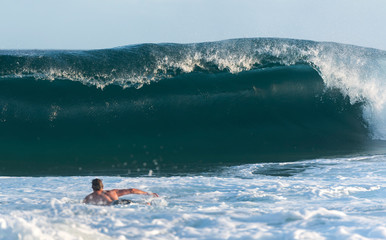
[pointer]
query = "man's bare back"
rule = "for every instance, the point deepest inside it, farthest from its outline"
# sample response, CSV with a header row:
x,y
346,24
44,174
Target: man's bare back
x,y
108,197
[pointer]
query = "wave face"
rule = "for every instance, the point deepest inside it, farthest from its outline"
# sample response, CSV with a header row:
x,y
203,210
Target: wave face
x,y
183,107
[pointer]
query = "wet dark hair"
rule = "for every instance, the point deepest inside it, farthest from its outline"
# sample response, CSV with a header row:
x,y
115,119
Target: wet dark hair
x,y
97,184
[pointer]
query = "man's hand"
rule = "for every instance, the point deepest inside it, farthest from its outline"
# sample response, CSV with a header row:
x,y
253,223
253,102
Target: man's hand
x,y
153,194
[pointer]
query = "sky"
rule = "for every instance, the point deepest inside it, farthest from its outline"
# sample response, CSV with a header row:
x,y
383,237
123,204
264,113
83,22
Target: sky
x,y
96,24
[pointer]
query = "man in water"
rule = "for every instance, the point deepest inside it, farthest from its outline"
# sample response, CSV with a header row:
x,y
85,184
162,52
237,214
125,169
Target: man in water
x,y
110,197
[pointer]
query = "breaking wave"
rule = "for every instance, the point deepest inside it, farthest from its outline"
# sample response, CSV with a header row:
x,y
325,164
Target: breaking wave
x,y
168,105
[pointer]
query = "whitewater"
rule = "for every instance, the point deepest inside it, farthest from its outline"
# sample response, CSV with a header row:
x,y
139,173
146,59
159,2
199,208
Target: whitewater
x,y
257,138
316,199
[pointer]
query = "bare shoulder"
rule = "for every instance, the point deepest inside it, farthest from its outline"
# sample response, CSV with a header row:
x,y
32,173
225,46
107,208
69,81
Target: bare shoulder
x,y
87,198
112,193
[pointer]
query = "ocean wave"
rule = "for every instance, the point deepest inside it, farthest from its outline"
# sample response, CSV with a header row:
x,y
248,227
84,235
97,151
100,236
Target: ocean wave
x,y
172,106
357,72
201,119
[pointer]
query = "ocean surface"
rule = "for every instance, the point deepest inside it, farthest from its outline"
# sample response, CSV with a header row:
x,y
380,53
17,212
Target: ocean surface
x,y
242,139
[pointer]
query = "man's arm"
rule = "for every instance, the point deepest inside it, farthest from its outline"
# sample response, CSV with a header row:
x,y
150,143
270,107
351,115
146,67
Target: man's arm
x,y
121,192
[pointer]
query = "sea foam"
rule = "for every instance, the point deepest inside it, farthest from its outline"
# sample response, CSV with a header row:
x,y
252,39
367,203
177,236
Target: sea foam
x,y
324,199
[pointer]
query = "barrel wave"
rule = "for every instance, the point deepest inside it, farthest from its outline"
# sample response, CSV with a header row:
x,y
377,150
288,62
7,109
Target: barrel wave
x,y
181,108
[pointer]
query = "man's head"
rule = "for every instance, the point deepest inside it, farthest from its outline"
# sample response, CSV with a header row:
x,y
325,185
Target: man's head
x,y
97,184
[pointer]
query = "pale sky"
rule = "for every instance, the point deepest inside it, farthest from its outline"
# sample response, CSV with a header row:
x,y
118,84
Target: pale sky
x,y
95,24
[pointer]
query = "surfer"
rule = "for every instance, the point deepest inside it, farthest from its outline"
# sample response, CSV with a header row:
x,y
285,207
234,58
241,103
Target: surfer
x,y
99,196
